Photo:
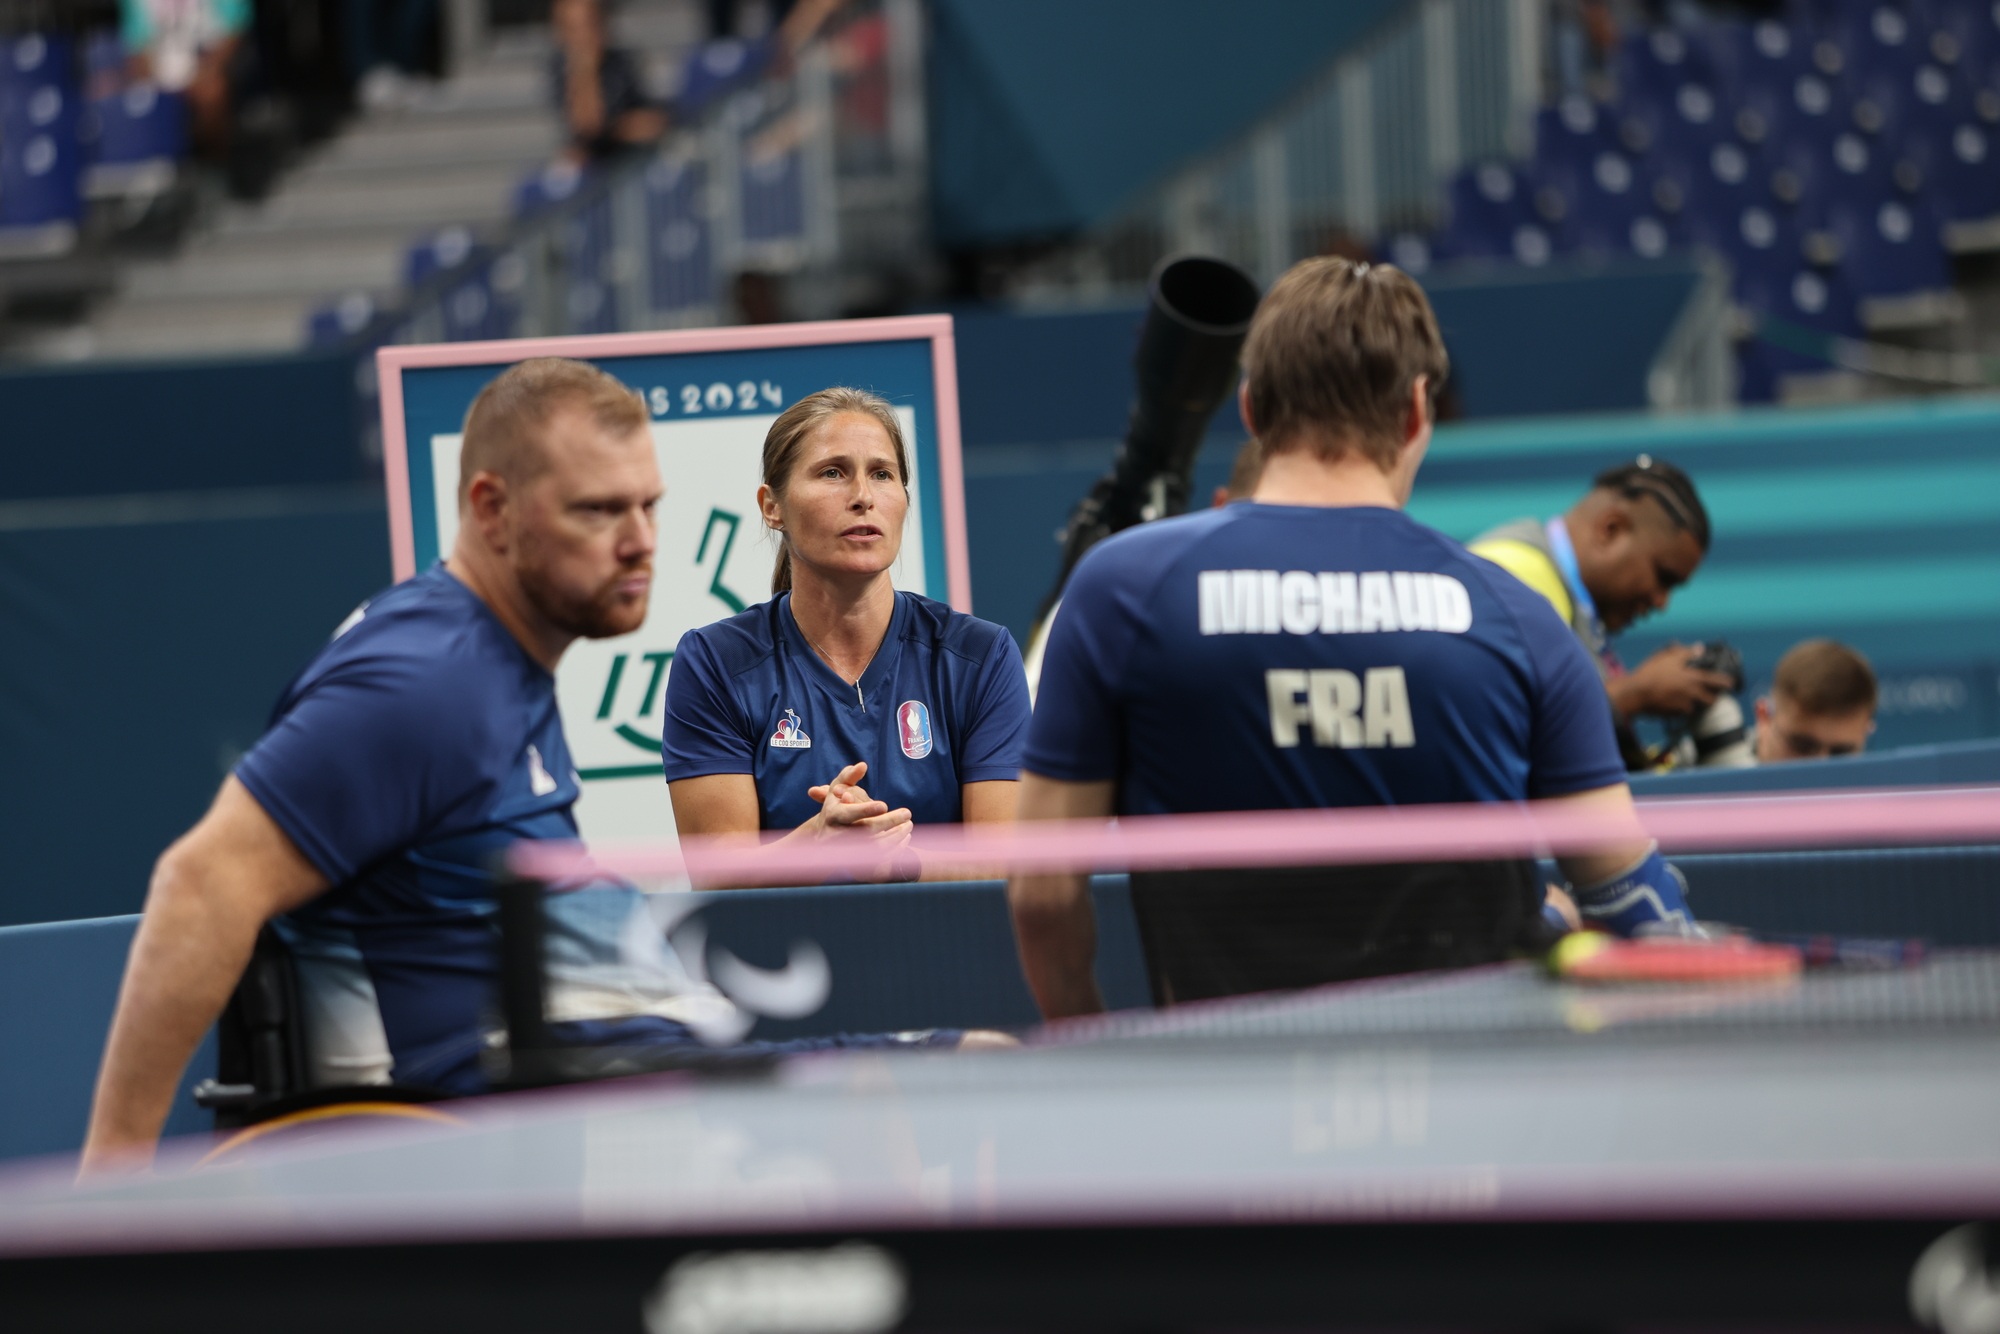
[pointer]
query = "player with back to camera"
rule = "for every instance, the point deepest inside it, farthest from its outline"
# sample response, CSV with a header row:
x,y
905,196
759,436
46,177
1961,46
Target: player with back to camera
x,y
1316,647
417,745
778,716
1616,557
1821,705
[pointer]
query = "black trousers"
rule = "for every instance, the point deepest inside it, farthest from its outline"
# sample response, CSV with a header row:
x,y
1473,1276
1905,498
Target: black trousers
x,y
1231,933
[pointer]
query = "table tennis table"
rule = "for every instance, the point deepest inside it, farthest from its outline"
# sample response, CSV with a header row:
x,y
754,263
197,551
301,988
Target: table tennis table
x,y
1485,1148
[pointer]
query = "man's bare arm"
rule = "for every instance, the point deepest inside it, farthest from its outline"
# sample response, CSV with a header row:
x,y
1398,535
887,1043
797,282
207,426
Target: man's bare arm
x,y
1055,926
210,893
1614,805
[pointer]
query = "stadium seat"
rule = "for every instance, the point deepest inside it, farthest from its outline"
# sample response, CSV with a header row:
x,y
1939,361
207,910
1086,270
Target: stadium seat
x,y
133,132
682,269
1682,124
1655,63
720,67
443,250
487,304
1609,202
773,195
40,151
1574,130
340,320
545,187
591,265
1961,169
1764,53
1487,202
1888,246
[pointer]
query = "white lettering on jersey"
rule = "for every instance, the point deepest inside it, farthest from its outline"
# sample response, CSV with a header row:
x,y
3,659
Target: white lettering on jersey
x,y
1452,604
1378,603
1386,715
1298,602
1339,604
1343,712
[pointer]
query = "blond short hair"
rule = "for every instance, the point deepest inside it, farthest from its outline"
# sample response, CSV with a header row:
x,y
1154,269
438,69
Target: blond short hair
x,y
1332,354
505,426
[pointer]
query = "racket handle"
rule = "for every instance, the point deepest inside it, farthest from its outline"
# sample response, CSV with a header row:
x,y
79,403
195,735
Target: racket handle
x,y
1853,951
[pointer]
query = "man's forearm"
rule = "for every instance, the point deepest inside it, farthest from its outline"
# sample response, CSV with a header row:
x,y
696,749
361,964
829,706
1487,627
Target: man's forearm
x,y
189,952
1056,927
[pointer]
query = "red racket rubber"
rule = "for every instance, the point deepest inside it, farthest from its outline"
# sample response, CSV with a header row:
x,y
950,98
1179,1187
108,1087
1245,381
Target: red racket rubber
x,y
1590,956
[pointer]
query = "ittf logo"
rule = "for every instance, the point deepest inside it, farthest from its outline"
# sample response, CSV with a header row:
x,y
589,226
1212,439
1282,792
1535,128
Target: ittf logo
x,y
913,721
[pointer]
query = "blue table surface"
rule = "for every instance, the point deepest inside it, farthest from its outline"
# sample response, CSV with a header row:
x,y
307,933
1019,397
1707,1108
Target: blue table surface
x,y
1493,1093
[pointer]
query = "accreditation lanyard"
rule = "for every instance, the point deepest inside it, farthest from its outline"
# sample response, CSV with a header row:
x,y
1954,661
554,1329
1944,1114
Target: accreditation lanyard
x,y
1565,553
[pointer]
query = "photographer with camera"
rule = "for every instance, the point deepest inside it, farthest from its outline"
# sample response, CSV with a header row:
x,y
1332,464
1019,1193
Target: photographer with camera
x,y
1617,556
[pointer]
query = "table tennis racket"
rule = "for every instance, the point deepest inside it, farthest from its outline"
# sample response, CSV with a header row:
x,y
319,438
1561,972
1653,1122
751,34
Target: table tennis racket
x,y
1591,956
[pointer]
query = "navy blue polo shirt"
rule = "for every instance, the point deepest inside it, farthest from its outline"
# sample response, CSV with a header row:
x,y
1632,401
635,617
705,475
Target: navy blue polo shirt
x,y
944,703
420,743
1277,656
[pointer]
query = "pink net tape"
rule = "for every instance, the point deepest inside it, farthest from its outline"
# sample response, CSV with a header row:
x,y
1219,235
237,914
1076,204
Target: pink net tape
x,y
1905,816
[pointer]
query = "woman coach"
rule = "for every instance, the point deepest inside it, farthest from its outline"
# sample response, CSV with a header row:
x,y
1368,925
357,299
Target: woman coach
x,y
777,717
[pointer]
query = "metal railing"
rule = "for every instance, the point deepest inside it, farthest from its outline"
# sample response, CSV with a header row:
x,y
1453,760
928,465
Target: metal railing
x,y
1361,153
807,186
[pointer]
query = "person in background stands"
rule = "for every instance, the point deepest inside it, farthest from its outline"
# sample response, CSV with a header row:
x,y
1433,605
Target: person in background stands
x,y
386,45
1243,474
597,87
187,45
1616,557
1822,704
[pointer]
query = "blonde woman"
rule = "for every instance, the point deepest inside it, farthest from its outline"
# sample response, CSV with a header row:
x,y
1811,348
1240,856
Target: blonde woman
x,y
842,704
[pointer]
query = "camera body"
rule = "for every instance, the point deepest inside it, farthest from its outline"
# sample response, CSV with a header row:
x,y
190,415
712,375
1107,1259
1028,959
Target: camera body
x,y
1716,737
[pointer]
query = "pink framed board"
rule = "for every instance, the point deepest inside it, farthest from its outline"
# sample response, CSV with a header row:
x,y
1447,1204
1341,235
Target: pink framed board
x,y
712,394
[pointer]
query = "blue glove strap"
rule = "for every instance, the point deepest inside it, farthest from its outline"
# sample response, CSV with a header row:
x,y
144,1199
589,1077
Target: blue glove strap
x,y
1650,899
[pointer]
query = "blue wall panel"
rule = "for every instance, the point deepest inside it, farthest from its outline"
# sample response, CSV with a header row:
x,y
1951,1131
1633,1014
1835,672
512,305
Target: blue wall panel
x,y
140,661
169,426
58,985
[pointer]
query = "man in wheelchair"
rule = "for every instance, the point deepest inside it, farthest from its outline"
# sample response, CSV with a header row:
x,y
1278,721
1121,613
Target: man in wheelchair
x,y
421,742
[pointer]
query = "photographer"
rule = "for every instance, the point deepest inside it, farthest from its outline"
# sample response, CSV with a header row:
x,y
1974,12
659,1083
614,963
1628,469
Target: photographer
x,y
1617,556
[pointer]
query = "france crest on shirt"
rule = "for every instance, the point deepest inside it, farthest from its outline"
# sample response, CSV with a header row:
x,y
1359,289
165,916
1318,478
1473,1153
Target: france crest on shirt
x,y
791,734
913,725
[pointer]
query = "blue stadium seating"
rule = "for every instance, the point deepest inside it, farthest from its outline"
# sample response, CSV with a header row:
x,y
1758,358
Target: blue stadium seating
x,y
1822,152
127,125
682,271
443,250
719,67
1488,203
773,195
547,186
590,264
40,151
